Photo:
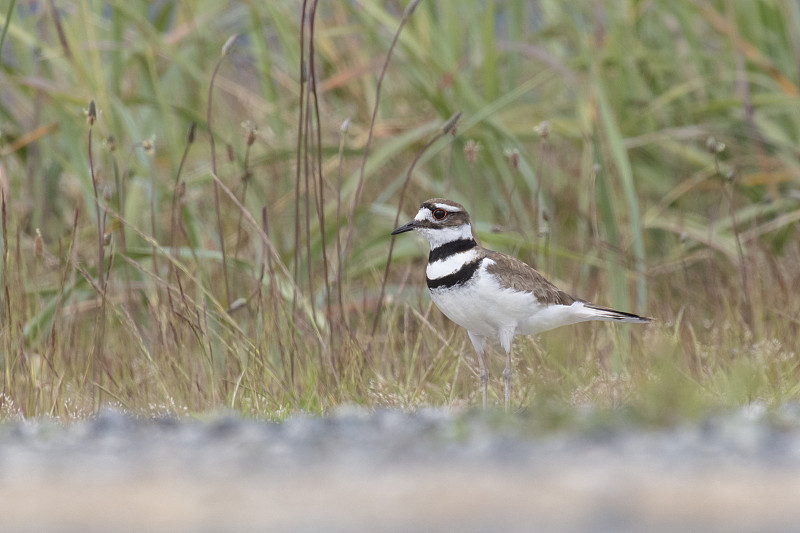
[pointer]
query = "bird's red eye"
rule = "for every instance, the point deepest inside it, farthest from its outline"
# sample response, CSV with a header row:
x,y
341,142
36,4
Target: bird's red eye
x,y
439,214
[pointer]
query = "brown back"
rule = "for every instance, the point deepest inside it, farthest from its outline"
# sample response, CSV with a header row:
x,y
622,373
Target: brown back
x,y
514,274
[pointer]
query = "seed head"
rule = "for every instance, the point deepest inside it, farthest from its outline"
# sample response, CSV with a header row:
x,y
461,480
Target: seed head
x,y
237,304
91,114
451,122
190,134
149,146
38,244
543,129
713,146
513,157
252,130
471,149
226,48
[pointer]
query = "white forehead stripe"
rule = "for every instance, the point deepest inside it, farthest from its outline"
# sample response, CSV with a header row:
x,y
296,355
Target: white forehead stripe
x,y
448,207
424,212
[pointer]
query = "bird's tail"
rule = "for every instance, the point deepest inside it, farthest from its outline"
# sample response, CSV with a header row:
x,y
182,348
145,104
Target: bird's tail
x,y
596,312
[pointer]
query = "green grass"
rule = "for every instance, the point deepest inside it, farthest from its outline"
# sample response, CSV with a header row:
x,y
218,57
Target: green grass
x,y
175,287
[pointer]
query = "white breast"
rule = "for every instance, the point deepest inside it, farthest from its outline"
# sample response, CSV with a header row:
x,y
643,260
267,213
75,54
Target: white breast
x,y
482,305
452,264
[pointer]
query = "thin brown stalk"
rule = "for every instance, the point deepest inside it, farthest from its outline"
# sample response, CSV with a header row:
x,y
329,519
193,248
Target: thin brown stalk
x,y
264,238
210,348
6,291
111,142
448,180
544,150
310,173
748,314
538,212
225,50
360,185
178,189
319,178
273,285
153,227
593,207
450,124
120,215
20,281
9,14
120,186
298,170
256,226
245,182
106,276
175,193
92,116
473,191
62,38
99,333
729,181
67,270
339,273
743,90
308,192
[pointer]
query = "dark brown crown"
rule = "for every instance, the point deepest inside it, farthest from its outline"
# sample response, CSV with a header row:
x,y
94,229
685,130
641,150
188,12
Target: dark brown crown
x,y
456,214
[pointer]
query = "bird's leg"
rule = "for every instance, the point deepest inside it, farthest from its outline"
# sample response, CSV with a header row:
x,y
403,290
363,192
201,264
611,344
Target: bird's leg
x,y
507,376
484,380
506,337
479,342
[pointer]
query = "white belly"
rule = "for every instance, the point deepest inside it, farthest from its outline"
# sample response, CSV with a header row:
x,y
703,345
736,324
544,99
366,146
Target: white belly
x,y
483,307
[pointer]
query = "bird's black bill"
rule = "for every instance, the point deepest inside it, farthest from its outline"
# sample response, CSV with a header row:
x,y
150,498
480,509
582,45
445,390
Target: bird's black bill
x,y
407,227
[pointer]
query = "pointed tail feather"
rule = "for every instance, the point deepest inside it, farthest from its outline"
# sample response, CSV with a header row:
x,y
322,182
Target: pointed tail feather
x,y
605,313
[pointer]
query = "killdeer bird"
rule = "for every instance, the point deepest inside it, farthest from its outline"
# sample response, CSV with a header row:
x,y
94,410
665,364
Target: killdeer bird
x,y
491,294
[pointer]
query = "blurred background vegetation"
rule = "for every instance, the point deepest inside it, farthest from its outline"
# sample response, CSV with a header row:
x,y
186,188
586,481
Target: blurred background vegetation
x,y
641,154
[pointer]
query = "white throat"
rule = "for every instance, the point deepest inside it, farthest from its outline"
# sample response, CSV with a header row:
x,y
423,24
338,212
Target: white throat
x,y
443,234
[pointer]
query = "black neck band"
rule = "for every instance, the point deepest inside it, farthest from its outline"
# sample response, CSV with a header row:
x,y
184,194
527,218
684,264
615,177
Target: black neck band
x,y
459,277
453,247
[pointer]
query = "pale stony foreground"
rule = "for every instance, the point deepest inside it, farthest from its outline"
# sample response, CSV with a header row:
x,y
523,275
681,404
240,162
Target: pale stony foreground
x,y
394,471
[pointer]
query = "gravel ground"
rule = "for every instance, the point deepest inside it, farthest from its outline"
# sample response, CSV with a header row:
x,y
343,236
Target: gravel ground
x,y
392,471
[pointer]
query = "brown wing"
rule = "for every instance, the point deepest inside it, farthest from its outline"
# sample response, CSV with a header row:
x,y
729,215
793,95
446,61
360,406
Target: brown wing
x,y
514,274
